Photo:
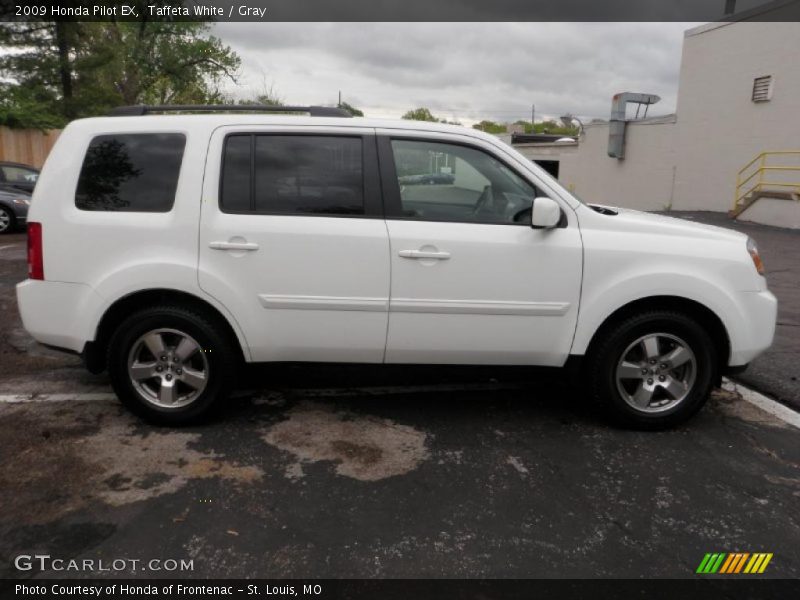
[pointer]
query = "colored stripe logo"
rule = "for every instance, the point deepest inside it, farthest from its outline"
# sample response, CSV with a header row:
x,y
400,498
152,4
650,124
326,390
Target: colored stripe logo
x,y
731,563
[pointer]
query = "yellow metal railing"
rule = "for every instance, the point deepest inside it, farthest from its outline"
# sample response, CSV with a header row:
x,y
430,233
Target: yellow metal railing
x,y
763,173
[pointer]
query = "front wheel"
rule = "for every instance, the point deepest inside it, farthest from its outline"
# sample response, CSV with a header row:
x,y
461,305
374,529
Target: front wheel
x,y
654,370
170,365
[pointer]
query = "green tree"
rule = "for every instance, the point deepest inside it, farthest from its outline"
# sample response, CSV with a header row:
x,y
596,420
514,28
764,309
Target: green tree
x,y
39,67
420,114
62,71
490,127
21,108
527,126
351,109
164,62
548,126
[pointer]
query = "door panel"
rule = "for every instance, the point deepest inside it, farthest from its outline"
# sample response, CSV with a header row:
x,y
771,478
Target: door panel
x,y
506,295
303,287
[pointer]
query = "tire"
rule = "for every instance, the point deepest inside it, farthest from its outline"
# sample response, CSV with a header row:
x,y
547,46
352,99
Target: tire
x,y
171,365
7,221
639,393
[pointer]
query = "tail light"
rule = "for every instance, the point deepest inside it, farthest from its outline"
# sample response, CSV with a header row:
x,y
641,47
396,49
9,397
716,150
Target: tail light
x,y
35,256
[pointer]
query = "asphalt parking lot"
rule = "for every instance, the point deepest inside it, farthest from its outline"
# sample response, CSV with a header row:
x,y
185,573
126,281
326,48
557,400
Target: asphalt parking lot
x,y
356,471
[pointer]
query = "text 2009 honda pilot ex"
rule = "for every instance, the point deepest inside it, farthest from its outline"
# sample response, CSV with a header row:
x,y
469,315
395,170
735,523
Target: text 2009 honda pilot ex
x,y
170,248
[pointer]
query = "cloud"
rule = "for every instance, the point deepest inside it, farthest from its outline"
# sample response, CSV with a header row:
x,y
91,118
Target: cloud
x,y
467,71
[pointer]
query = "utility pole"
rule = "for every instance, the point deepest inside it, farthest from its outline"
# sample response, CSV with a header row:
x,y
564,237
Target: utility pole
x,y
533,114
340,99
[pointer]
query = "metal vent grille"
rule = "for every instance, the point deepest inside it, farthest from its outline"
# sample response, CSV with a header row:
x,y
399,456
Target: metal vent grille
x,y
762,88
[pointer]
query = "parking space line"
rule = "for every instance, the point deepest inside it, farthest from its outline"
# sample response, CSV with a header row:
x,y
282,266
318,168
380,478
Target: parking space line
x,y
25,398
768,405
8,246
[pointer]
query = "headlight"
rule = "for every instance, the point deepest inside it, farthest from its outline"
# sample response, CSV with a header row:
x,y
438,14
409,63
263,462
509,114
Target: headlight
x,y
753,250
22,201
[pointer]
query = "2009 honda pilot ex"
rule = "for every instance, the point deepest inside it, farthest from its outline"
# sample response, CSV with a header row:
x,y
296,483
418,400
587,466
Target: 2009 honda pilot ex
x,y
171,248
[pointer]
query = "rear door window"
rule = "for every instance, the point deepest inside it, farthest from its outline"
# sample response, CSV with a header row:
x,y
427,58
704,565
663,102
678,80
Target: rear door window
x,y
293,174
131,172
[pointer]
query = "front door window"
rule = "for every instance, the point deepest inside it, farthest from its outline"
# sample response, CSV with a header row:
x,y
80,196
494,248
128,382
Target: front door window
x,y
454,183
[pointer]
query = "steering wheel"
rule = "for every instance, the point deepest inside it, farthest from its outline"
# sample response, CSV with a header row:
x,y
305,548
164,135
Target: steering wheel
x,y
486,197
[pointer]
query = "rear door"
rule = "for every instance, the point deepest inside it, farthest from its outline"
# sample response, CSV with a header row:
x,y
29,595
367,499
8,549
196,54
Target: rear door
x,y
293,241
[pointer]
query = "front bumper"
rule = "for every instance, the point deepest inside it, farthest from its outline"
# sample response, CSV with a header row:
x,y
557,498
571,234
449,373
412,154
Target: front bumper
x,y
756,329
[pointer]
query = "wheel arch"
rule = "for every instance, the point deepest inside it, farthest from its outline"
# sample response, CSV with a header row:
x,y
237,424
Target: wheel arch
x,y
704,315
94,352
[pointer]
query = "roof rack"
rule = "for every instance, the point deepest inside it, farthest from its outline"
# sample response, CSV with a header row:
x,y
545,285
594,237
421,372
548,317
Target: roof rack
x,y
143,109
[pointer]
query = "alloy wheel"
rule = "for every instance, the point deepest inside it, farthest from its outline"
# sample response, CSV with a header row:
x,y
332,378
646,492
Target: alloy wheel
x,y
656,372
168,368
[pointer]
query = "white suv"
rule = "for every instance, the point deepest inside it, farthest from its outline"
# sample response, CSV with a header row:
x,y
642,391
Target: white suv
x,y
172,248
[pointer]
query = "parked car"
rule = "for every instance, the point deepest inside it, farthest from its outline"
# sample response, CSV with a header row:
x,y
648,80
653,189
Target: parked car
x,y
189,244
427,179
17,175
14,205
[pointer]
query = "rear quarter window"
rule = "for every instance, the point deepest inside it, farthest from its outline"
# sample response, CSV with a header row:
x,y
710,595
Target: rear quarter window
x,y
131,172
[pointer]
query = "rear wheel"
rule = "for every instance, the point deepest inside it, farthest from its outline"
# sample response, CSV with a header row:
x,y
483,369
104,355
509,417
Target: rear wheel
x,y
654,370
171,365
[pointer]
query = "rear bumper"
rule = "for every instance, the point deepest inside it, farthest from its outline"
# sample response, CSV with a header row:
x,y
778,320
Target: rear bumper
x,y
55,313
756,329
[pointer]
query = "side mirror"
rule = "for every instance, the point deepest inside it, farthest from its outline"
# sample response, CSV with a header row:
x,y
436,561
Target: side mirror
x,y
546,213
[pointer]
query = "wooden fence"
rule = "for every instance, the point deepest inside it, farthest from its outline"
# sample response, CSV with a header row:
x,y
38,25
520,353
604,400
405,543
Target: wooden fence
x,y
28,146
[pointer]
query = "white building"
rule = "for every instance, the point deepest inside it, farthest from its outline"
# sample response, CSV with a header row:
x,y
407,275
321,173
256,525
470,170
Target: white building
x,y
739,97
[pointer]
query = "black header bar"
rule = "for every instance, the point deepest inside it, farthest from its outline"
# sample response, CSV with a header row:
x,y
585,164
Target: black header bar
x,y
402,10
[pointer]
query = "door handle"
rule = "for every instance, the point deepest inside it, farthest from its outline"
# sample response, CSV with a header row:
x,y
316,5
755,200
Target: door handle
x,y
424,254
233,246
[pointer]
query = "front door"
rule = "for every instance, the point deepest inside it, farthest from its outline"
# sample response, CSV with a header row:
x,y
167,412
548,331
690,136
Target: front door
x,y
472,281
293,242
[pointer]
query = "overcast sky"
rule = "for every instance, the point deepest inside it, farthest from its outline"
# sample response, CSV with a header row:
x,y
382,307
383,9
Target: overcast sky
x,y
464,71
